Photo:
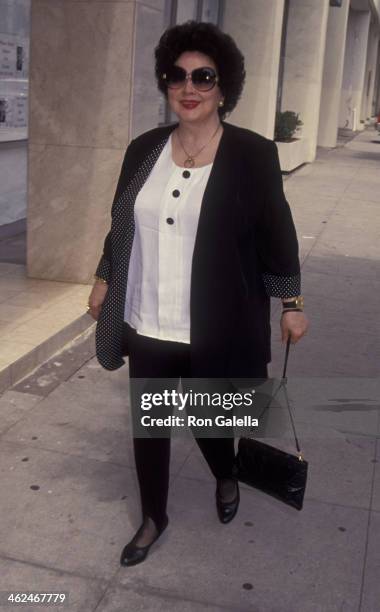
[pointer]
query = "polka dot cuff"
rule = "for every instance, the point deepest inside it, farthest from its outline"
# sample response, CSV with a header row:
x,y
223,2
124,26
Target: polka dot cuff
x,y
282,286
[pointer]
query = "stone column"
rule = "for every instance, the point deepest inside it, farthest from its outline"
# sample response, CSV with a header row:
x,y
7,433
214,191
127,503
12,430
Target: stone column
x,y
370,73
304,57
376,93
354,69
80,125
332,75
256,28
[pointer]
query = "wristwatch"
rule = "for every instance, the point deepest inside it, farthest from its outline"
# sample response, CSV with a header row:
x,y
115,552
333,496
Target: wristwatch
x,y
296,304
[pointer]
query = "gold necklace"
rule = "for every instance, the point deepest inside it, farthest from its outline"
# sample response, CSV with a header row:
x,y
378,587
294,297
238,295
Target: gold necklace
x,y
189,161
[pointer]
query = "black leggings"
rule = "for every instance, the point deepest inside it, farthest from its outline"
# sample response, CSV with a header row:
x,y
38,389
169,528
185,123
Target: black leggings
x,y
161,359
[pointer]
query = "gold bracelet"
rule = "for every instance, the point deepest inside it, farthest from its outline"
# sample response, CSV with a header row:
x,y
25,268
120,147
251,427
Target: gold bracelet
x,y
100,279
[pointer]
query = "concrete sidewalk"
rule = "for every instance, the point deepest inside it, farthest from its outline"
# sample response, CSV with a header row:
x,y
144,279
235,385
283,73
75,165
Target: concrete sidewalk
x,y
70,499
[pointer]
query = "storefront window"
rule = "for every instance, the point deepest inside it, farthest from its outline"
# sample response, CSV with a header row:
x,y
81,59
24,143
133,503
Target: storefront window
x,y
14,68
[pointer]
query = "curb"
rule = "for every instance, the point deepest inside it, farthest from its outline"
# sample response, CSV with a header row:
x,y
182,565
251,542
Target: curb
x,y
41,353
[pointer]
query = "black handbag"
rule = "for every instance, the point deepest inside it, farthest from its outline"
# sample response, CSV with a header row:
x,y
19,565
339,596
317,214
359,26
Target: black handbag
x,y
270,469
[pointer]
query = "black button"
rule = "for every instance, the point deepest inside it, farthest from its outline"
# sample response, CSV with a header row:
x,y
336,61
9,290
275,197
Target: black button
x,y
176,193
186,174
170,221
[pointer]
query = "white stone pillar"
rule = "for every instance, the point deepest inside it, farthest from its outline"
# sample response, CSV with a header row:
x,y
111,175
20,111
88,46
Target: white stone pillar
x,y
370,73
256,27
354,69
304,56
332,75
376,93
80,99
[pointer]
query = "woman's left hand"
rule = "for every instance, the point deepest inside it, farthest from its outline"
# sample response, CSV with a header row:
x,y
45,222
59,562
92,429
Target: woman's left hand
x,y
293,324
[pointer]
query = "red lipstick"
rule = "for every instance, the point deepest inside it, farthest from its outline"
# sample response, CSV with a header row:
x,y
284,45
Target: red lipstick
x,y
189,103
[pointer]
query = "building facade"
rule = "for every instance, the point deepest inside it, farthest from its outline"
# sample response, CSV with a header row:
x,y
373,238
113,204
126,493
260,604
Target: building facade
x,y
92,89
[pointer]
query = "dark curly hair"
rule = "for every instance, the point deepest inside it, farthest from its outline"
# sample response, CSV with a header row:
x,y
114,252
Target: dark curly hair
x,y
208,39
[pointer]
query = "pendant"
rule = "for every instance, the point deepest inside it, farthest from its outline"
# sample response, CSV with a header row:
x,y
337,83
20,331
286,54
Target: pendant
x,y
189,162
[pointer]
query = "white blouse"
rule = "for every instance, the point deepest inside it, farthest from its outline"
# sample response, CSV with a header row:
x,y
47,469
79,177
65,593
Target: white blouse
x,y
166,219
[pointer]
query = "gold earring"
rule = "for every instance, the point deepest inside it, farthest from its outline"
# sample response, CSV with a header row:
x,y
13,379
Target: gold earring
x,y
221,103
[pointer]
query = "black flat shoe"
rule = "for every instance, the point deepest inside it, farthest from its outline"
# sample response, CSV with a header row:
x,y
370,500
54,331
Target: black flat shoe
x,y
132,554
227,510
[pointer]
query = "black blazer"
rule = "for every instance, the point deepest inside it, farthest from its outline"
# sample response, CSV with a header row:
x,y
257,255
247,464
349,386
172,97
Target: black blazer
x,y
245,251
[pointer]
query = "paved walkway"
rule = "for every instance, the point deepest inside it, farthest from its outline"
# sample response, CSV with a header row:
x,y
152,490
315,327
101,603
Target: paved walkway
x,y
70,497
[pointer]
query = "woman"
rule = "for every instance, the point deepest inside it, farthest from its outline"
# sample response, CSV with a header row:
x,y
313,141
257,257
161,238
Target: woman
x,y
201,237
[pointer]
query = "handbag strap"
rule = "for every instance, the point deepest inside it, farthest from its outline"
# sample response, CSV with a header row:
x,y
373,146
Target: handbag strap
x,y
282,385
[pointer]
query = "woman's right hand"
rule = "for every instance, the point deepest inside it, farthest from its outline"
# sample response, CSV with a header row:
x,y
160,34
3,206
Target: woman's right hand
x,y
96,299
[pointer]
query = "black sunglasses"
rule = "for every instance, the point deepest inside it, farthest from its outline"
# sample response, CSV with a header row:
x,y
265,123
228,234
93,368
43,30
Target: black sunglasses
x,y
203,79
